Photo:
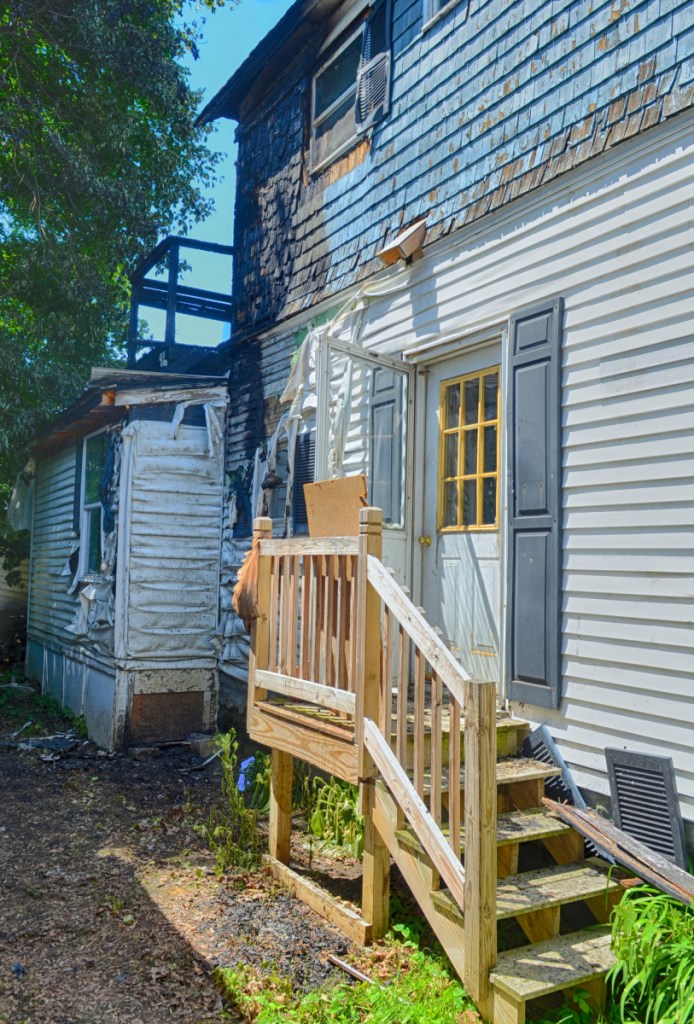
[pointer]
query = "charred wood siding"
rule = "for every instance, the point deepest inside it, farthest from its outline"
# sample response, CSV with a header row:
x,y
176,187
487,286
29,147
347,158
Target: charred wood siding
x,y
486,106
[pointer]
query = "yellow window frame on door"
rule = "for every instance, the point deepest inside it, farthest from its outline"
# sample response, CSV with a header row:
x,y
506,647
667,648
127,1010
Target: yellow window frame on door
x,y
455,437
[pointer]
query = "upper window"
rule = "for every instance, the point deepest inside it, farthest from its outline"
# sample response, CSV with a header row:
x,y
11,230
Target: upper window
x,y
352,89
93,461
469,452
435,9
334,125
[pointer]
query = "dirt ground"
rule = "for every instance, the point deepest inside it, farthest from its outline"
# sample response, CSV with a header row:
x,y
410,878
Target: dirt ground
x,y
110,910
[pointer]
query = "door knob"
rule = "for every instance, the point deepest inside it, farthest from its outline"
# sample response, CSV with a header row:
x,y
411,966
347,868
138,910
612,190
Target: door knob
x,y
425,541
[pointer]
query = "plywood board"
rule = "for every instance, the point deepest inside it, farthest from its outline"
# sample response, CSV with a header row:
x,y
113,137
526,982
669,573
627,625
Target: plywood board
x,y
333,506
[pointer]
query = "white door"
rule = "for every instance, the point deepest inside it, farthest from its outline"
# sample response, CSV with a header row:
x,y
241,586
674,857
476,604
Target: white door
x,y
461,507
364,412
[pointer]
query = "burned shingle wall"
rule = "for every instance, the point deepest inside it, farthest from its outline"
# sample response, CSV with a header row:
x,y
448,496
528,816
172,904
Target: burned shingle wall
x,y
488,104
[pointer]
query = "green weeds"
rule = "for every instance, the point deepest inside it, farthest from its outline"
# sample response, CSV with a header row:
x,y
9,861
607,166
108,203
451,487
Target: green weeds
x,y
421,990
335,820
232,831
653,939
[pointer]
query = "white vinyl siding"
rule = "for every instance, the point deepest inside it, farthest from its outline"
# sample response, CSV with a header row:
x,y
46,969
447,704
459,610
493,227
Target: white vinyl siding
x,y
615,241
51,608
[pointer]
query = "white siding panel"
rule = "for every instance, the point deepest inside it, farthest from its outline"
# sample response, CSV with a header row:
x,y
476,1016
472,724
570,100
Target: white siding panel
x,y
51,608
616,242
174,530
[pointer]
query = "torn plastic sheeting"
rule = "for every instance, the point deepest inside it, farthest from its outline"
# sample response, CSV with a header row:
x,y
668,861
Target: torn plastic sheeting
x,y
95,617
213,421
20,511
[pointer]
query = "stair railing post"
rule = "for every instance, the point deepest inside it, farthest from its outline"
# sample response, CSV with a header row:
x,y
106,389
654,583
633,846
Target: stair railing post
x,y
480,941
260,629
376,860
368,638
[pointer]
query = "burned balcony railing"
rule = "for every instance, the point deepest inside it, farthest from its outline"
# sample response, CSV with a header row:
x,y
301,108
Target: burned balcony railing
x,y
170,295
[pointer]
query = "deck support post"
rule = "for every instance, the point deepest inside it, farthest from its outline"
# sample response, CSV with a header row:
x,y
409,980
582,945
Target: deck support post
x,y
376,863
260,629
479,937
375,886
280,824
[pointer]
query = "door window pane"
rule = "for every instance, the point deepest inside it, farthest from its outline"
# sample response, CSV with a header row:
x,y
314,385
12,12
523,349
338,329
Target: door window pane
x,y
489,500
469,480
472,400
491,396
489,461
453,405
450,467
470,503
94,546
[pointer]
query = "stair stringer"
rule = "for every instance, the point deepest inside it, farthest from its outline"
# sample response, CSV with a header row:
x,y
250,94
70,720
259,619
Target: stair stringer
x,y
420,878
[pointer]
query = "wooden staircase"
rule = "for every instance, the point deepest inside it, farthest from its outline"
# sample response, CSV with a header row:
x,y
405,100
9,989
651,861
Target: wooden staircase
x,y
346,674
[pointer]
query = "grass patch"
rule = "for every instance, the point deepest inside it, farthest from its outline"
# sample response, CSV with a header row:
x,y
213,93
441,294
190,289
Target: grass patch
x,y
410,986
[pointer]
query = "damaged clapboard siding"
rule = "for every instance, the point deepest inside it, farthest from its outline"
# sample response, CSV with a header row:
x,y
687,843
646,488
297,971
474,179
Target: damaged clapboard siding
x,y
260,374
485,107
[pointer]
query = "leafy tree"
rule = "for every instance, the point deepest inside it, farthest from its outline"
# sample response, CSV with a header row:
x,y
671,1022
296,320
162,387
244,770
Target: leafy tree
x,y
99,157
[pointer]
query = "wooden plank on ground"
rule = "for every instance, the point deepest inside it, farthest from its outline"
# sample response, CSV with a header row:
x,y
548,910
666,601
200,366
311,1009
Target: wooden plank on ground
x,y
629,852
344,918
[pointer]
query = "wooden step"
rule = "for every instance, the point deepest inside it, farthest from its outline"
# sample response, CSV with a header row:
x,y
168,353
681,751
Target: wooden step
x,y
511,828
510,733
567,961
532,891
508,772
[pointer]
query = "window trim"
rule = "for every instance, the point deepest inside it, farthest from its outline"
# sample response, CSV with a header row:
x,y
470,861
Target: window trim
x,y
430,19
479,475
349,143
85,510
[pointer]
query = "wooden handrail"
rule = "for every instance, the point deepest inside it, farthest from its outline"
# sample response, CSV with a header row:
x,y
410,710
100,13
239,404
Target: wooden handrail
x,y
418,629
310,546
414,809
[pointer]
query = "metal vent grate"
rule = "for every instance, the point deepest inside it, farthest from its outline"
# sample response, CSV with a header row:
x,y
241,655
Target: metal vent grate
x,y
541,747
644,801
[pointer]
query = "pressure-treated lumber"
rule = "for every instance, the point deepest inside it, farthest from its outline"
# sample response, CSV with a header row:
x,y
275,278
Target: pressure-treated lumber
x,y
260,629
303,689
431,839
310,546
375,891
553,965
414,623
512,827
335,756
280,824
421,878
479,937
368,659
344,918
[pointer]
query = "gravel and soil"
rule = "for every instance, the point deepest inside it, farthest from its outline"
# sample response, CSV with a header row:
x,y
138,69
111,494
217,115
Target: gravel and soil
x,y
110,908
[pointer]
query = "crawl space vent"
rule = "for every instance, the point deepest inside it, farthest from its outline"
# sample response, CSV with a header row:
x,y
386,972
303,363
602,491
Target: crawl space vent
x,y
644,801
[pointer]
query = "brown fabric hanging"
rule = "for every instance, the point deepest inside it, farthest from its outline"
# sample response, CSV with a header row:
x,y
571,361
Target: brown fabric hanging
x,y
245,599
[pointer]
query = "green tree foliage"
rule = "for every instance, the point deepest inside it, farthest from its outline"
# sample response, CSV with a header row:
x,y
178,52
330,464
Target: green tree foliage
x,y
99,157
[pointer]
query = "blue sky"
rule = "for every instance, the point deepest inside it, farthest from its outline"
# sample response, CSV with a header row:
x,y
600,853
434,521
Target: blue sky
x,y
229,35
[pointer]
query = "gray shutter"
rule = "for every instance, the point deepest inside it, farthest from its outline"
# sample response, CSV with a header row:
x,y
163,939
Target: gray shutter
x,y
533,632
373,75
